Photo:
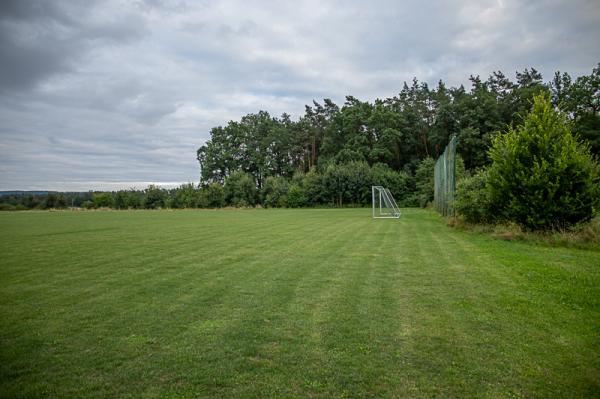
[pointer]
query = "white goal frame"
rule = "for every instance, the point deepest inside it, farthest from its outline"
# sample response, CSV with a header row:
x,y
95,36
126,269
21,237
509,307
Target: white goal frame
x,y
384,204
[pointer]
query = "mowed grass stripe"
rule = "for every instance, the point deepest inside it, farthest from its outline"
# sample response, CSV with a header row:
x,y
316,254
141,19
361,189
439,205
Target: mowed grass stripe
x,y
289,303
514,313
278,326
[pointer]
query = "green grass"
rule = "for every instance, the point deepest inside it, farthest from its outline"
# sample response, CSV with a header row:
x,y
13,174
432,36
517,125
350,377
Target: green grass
x,y
289,303
584,236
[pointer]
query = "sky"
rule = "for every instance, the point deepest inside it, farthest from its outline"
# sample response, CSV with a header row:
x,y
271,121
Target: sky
x,y
106,95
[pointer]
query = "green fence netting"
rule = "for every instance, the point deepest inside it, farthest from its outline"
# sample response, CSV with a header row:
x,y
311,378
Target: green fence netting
x,y
445,179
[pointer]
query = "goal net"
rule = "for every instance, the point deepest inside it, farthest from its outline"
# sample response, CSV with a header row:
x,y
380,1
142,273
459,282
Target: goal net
x,y
445,180
384,204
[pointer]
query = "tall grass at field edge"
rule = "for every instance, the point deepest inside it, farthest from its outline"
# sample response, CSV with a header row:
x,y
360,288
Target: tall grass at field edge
x,y
583,236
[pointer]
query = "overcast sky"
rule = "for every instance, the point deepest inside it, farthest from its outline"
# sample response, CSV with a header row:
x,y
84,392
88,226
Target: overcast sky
x,y
117,94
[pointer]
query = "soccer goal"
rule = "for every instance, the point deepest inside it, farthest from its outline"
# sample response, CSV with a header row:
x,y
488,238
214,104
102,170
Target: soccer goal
x,y
384,204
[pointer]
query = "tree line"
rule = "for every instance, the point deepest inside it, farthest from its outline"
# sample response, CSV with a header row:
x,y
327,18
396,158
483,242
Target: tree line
x,y
338,185
398,132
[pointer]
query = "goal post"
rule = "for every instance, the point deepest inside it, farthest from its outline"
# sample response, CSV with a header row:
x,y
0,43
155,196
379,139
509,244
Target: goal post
x,y
384,204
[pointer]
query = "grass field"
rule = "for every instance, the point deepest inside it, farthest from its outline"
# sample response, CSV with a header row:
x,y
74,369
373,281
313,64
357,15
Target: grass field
x,y
289,303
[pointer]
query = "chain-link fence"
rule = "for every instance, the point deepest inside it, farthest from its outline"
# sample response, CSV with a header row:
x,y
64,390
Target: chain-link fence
x,y
445,179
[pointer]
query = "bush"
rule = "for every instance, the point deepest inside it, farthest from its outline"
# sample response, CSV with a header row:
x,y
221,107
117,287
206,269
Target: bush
x,y
424,181
120,198
103,200
400,183
186,196
155,198
312,182
54,201
133,199
240,189
348,183
212,196
473,200
541,177
126,199
275,191
296,197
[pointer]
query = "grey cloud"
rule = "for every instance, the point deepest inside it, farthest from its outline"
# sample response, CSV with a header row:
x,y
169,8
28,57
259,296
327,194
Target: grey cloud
x,y
30,10
39,39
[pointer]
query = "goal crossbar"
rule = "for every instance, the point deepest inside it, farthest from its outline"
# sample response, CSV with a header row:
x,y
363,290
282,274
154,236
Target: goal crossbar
x,y
384,204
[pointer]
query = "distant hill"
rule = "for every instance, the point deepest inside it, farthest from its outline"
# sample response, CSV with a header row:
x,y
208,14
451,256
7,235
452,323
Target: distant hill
x,y
33,192
22,192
